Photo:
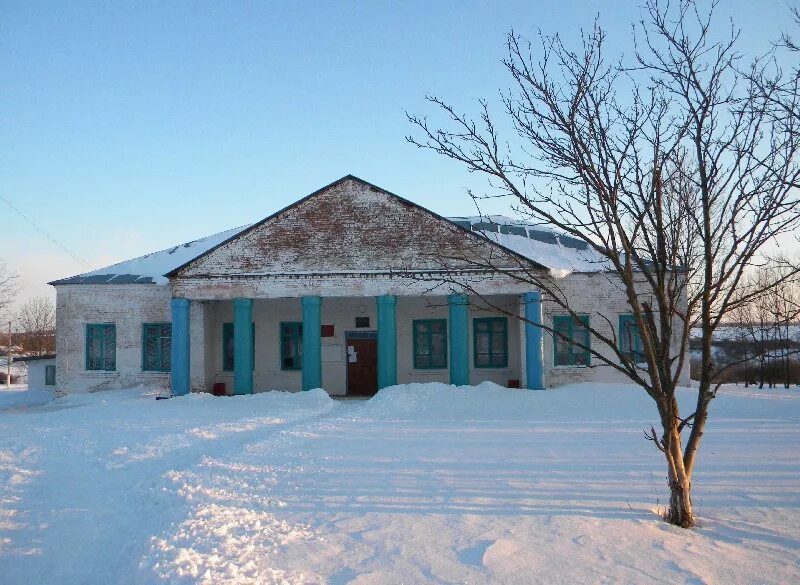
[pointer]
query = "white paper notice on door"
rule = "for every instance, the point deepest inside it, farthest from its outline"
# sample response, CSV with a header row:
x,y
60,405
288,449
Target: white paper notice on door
x,y
352,355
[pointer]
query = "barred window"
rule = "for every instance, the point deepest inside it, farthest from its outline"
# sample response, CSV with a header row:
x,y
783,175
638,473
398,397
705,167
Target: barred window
x,y
101,346
568,332
490,342
430,343
156,347
292,346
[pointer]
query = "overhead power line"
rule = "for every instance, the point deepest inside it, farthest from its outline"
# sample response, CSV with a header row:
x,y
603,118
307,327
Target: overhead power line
x,y
45,234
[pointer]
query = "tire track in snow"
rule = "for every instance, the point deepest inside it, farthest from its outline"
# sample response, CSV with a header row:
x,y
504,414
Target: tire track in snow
x,y
231,532
118,499
17,470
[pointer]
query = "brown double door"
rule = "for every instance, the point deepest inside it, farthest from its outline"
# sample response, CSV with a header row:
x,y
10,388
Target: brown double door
x,y
362,366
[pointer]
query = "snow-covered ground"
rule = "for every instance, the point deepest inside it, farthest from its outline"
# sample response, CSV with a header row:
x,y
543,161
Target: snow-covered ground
x,y
422,484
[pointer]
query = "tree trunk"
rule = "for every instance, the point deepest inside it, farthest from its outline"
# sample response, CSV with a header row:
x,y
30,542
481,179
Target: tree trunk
x,y
746,369
680,511
786,348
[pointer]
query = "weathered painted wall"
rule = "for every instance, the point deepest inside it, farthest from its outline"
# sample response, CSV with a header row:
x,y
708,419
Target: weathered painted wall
x,y
599,296
327,286
436,308
130,306
350,226
341,312
126,306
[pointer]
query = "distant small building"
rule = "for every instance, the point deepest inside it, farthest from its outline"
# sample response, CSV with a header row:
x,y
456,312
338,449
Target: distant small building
x,y
41,370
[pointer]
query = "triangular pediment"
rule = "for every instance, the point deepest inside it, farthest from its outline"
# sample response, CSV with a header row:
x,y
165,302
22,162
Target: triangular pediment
x,y
350,226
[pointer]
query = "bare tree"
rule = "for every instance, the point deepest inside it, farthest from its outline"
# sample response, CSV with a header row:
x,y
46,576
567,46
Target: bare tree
x,y
786,301
787,41
677,169
8,288
764,325
37,322
768,321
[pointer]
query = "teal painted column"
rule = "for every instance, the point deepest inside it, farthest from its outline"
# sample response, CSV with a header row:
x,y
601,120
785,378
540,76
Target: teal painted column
x,y
534,341
459,339
312,342
243,346
179,349
387,340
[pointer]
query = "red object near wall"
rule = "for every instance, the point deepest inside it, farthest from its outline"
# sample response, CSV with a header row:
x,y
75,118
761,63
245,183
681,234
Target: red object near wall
x,y
513,383
219,389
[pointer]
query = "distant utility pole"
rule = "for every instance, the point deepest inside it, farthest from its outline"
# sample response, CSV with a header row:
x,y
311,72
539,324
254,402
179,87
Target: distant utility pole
x,y
8,357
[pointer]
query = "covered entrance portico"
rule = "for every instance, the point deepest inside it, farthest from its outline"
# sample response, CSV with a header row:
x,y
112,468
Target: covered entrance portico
x,y
271,307
348,345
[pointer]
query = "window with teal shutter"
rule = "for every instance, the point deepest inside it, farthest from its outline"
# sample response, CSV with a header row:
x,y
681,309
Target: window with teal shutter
x,y
490,342
630,339
292,345
49,375
227,346
101,346
156,347
430,344
567,332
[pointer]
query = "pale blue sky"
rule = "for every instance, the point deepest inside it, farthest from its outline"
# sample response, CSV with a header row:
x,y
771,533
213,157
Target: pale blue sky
x,y
126,128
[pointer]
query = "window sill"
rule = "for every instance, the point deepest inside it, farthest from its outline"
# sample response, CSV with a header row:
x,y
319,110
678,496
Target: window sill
x,y
572,367
100,373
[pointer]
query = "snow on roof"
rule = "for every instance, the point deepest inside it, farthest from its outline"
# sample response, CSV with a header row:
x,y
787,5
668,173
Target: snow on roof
x,y
151,268
560,253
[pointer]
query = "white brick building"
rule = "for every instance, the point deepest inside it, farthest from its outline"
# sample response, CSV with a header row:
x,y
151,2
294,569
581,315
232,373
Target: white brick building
x,y
351,288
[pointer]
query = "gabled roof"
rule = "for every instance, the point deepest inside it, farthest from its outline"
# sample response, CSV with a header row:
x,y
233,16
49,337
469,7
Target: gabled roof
x,y
560,253
150,268
535,244
251,227
328,187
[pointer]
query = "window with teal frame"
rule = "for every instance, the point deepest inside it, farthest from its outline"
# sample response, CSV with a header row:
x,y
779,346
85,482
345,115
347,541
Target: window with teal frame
x,y
630,339
101,346
156,347
292,345
430,344
227,346
568,331
49,375
490,342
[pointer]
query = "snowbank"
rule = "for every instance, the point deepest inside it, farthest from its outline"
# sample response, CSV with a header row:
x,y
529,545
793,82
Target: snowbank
x,y
24,398
276,401
436,401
